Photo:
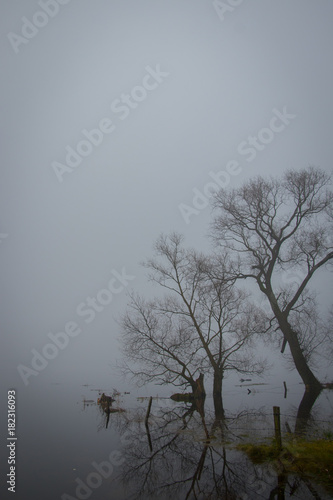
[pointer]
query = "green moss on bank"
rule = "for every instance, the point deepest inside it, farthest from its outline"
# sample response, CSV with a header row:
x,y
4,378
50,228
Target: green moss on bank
x,y
259,453
311,459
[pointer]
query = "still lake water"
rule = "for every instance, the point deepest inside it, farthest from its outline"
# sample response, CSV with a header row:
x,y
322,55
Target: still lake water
x,y
65,444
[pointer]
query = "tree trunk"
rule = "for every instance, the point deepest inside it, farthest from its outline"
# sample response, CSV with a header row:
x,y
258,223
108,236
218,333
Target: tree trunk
x,y
198,388
218,407
301,364
217,394
217,385
304,410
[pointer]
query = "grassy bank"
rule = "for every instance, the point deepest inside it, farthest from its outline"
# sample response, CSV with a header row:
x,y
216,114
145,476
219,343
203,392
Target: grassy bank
x,y
307,459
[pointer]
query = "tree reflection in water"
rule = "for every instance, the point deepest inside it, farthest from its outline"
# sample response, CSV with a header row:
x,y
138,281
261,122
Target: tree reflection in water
x,y
183,463
185,454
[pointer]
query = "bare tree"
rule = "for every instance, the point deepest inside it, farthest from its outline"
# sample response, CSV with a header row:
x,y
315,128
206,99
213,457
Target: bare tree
x,y
274,227
202,323
159,347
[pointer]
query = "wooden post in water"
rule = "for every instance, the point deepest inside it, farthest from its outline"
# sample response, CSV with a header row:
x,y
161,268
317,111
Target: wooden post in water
x,y
148,409
277,426
285,390
146,423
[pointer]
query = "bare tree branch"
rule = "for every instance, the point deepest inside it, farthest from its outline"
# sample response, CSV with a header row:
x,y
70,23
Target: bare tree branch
x,y
272,227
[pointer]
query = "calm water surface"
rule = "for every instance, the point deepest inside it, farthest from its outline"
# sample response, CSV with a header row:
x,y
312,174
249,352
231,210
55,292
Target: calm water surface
x,y
69,449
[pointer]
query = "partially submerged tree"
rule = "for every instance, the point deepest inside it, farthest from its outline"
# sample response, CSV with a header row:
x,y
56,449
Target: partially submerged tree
x,y
202,324
274,227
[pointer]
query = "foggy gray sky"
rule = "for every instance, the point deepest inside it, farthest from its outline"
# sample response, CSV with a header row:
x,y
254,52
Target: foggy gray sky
x,y
224,79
